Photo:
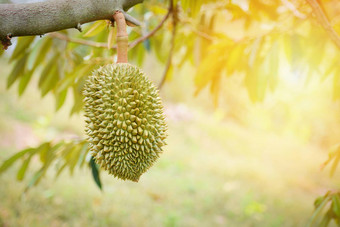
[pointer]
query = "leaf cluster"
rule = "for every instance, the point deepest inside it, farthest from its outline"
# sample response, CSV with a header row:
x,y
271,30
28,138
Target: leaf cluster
x,y
329,205
62,155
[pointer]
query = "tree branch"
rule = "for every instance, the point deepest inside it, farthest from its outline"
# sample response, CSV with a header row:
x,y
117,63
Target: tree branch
x,y
42,17
324,22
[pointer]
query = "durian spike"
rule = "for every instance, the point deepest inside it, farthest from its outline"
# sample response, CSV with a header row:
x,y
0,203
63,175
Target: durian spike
x,y
122,37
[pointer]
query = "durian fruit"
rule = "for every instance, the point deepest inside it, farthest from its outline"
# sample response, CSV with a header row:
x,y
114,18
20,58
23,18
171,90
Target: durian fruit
x,y
125,124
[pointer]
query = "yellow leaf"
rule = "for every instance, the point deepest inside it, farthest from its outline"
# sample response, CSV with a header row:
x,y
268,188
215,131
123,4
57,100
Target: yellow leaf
x,y
287,48
336,160
110,38
208,69
235,59
332,67
251,84
336,85
273,66
157,10
212,65
169,74
215,88
96,27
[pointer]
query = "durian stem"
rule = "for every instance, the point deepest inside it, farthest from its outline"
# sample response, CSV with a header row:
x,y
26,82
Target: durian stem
x,y
122,37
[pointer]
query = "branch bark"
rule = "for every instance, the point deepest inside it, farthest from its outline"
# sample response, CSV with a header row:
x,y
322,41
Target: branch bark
x,y
38,18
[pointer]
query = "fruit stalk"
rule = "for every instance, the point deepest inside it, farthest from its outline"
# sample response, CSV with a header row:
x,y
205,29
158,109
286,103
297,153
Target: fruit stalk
x,y
122,37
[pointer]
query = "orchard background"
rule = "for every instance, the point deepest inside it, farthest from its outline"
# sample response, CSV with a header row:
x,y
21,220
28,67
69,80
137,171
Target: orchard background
x,y
251,93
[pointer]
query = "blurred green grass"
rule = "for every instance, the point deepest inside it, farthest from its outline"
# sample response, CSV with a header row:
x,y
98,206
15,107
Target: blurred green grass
x,y
214,172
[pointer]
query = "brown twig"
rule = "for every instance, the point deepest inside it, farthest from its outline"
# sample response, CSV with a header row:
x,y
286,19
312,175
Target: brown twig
x,y
203,35
189,22
143,38
324,22
79,41
172,47
6,42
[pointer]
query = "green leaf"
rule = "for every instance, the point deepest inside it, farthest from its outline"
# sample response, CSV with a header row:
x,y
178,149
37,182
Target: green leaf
x,y
9,162
325,220
51,81
318,210
70,78
24,81
18,70
60,99
190,41
336,204
34,53
22,44
192,7
161,40
318,201
47,70
22,170
78,98
96,27
60,169
35,179
47,158
43,150
83,152
95,173
72,156
40,59
138,54
48,152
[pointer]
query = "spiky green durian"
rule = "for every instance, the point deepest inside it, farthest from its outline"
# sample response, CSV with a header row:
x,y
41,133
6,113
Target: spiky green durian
x,y
125,124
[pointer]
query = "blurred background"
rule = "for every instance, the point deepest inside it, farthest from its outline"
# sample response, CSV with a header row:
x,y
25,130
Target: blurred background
x,y
251,101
